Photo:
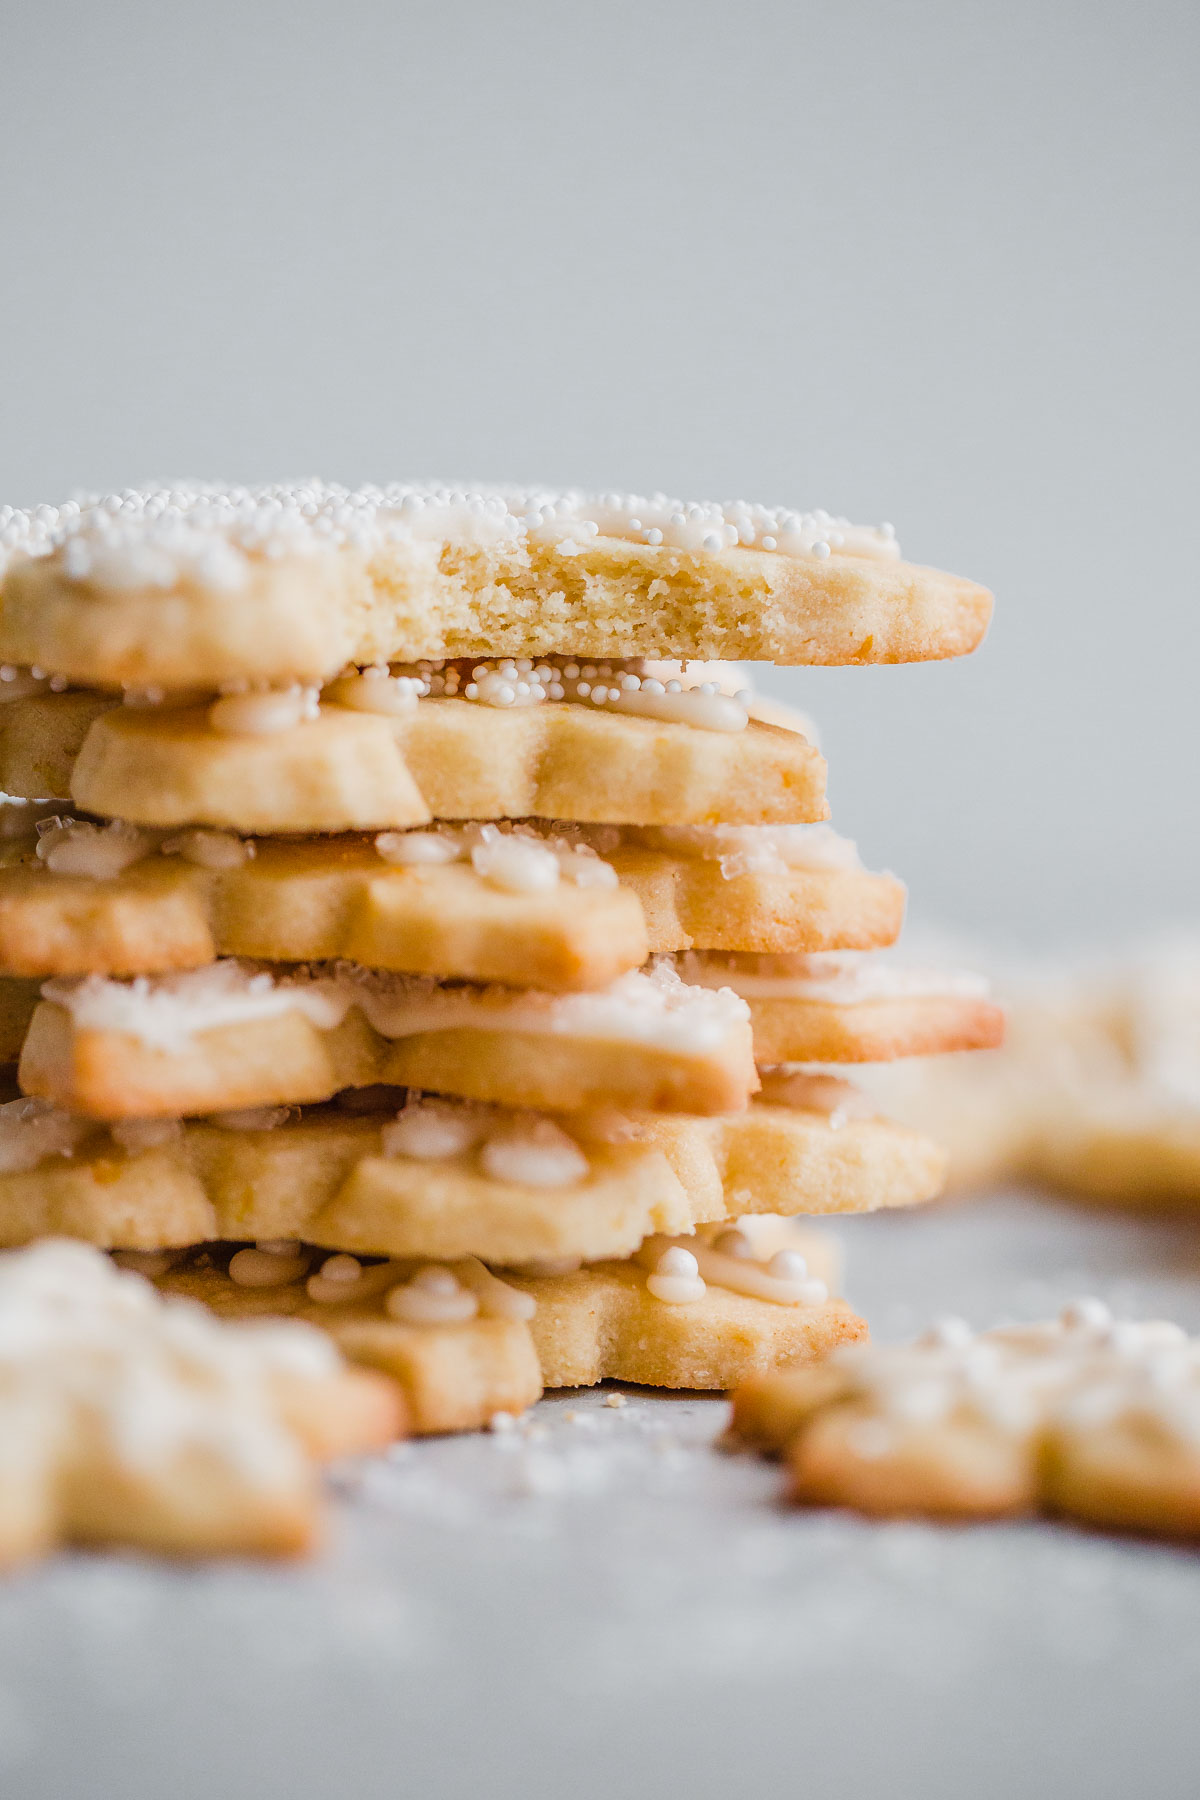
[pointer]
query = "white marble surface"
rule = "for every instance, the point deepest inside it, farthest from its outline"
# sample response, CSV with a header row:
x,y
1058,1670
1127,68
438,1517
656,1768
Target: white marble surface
x,y
599,1605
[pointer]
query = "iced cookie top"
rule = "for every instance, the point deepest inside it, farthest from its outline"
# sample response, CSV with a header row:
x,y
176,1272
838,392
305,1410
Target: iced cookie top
x,y
156,537
284,582
655,1009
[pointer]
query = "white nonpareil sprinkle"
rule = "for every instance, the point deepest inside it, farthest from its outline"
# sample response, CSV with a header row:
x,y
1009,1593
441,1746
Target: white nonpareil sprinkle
x,y
23,684
205,534
620,687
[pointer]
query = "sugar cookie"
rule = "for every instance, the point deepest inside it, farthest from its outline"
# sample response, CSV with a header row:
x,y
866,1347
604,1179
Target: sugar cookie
x,y
605,1323
584,1326
850,1007
436,902
282,583
130,1420
444,1179
343,770
1089,1417
226,1036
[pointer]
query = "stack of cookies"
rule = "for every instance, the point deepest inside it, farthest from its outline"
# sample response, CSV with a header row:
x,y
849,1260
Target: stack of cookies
x,y
407,926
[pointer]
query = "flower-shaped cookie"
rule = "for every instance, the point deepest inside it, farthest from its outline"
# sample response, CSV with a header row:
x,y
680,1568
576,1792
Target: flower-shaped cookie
x,y
127,1418
1086,1416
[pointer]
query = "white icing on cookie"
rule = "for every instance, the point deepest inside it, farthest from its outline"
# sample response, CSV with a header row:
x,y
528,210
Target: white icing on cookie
x,y
526,1148
77,847
816,1090
514,856
251,1118
207,534
210,849
534,1152
1083,1370
376,690
259,1267
262,713
674,1276
433,1296
516,865
754,849
434,1129
31,1131
655,1009
836,977
335,1282
166,1011
729,1262
497,1300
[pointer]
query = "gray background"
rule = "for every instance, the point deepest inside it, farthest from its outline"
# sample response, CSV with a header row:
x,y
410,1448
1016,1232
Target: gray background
x,y
933,263
936,263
